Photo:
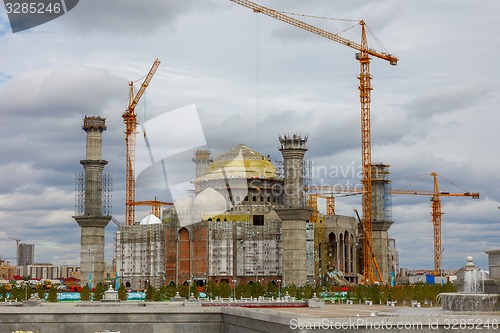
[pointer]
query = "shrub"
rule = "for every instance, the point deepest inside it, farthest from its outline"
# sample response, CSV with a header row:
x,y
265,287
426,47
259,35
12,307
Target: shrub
x,y
170,291
122,292
40,290
150,294
85,293
52,297
99,290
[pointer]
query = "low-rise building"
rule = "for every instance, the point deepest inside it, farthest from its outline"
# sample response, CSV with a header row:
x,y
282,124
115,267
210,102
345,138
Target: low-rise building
x,y
43,271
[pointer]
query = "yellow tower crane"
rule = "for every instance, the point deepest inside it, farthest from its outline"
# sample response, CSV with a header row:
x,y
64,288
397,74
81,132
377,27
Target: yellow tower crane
x,y
436,195
130,119
363,56
312,203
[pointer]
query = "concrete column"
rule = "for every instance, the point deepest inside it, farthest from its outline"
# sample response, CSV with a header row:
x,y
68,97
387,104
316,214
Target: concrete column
x,y
92,222
92,249
294,213
347,268
337,252
293,238
293,149
382,219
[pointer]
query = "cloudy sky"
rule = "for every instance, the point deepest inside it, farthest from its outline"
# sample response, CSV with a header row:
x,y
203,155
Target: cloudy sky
x,y
253,78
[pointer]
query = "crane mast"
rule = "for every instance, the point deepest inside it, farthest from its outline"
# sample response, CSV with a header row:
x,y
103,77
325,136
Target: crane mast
x,y
436,195
436,222
130,120
365,98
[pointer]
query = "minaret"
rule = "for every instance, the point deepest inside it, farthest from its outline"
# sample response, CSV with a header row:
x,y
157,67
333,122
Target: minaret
x,y
92,222
382,217
202,160
295,212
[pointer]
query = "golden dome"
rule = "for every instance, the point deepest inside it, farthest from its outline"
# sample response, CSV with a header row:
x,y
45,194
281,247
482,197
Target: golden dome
x,y
239,162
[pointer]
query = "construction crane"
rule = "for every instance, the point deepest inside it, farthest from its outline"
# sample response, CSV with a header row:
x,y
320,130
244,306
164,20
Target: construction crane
x,y
130,119
312,202
16,239
363,56
155,205
17,246
436,195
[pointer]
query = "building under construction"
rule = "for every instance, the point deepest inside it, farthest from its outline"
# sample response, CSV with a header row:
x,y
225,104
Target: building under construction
x,y
245,222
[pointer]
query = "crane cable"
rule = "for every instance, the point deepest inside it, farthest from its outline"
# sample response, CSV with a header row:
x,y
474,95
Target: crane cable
x,y
257,81
375,38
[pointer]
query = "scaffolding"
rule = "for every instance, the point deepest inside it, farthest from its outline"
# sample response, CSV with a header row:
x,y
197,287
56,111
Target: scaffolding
x,y
79,193
140,255
107,194
310,253
106,198
245,246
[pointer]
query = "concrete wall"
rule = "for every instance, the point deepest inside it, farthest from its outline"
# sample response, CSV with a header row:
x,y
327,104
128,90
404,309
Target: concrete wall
x,y
173,317
126,318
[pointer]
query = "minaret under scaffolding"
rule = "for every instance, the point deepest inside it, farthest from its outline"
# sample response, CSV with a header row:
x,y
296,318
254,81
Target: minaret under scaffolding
x,y
93,216
294,213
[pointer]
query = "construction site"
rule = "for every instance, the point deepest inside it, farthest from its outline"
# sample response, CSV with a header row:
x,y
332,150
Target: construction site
x,y
249,220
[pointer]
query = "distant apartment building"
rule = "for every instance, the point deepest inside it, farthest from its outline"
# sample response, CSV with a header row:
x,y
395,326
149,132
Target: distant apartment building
x,y
69,271
44,271
25,257
7,271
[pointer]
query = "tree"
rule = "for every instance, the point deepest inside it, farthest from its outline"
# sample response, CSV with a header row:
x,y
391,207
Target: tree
x,y
183,290
243,290
194,291
40,290
20,293
150,293
3,293
272,289
210,289
122,292
224,290
52,297
85,293
257,289
99,290
170,291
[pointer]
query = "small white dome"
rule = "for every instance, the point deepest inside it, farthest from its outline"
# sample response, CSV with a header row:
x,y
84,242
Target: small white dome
x,y
150,219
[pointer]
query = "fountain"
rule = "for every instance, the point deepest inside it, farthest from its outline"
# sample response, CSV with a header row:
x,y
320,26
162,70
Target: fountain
x,y
476,291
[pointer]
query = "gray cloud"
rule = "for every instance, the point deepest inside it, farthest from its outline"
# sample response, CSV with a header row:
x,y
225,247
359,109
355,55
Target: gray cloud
x,y
130,17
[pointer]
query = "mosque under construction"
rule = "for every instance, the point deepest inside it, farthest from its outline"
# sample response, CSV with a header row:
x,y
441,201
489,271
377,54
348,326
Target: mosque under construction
x,y
248,221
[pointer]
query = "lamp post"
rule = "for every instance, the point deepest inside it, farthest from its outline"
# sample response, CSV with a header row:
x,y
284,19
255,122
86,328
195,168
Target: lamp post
x,y
189,289
279,289
234,289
